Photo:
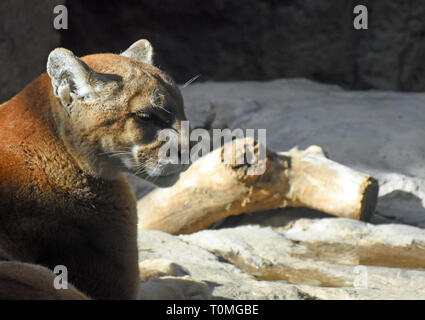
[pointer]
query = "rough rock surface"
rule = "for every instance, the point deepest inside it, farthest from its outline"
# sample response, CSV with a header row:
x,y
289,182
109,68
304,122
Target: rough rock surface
x,y
264,39
26,38
312,259
299,253
227,40
377,132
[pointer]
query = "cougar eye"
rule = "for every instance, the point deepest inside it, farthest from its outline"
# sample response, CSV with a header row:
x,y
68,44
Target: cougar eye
x,y
144,116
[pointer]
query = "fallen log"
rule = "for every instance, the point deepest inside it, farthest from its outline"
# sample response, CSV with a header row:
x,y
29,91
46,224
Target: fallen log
x,y
213,189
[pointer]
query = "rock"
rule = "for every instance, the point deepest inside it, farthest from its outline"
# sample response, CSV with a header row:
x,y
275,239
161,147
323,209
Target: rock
x,y
312,259
264,39
306,254
402,199
228,40
380,133
173,288
26,38
393,38
156,268
391,245
225,280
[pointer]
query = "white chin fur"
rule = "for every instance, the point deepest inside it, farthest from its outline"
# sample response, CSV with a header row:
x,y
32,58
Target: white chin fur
x,y
155,171
127,163
134,150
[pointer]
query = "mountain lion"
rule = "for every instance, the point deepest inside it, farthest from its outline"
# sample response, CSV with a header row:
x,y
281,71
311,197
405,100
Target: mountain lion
x,y
65,141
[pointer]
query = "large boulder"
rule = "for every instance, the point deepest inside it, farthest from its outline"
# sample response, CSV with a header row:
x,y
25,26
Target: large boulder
x,y
264,39
380,133
297,253
311,259
227,40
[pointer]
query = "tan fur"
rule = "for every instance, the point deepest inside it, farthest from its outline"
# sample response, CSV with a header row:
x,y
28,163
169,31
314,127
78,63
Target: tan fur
x,y
63,199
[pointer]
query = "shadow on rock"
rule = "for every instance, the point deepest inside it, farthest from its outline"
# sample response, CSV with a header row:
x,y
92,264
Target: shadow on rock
x,y
277,218
400,207
395,207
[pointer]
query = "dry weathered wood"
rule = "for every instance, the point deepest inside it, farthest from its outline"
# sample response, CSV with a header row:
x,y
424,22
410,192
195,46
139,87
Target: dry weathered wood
x,y
211,190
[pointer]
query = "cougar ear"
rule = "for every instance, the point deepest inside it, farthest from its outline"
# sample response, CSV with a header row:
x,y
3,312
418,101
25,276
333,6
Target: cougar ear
x,y
141,50
73,79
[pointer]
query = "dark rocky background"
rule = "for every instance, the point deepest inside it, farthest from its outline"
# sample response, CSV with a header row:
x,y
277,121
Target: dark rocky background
x,y
227,40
